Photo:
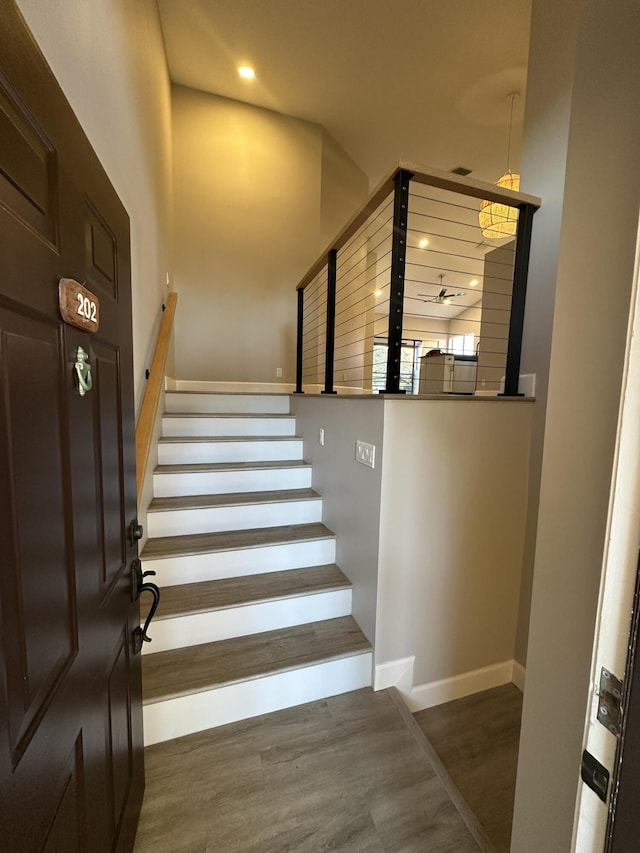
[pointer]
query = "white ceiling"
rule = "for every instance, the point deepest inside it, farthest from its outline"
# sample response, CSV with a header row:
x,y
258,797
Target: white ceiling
x,y
421,80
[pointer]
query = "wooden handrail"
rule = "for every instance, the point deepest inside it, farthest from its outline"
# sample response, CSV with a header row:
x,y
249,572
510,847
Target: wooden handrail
x,y
422,175
151,399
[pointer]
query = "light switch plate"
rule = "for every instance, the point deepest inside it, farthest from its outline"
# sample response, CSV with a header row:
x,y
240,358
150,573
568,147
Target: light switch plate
x,y
366,453
321,437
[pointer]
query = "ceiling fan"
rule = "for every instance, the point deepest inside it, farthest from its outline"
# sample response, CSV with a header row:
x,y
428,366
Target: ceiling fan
x,y
444,297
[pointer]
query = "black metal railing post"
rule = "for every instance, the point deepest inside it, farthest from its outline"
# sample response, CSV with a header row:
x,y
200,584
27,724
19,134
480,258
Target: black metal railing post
x,y
518,300
398,263
332,265
299,342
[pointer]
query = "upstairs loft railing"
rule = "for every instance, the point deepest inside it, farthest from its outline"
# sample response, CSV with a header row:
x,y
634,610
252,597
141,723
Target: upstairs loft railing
x,y
411,297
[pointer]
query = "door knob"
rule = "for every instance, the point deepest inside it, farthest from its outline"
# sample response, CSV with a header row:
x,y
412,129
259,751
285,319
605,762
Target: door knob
x,y
136,531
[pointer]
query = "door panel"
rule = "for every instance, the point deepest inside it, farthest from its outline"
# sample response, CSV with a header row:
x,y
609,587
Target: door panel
x,y
28,181
108,441
120,743
101,249
71,766
36,584
67,831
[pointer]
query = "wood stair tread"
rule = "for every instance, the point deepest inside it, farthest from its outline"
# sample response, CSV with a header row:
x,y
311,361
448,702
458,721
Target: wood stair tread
x,y
234,393
235,499
159,547
180,672
204,467
251,415
174,439
207,596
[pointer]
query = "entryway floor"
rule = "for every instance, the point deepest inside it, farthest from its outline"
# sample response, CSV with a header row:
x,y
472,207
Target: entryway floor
x,y
477,740
349,773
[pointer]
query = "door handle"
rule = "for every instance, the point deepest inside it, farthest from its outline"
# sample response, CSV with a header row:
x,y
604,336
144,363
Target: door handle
x,y
140,635
137,579
138,586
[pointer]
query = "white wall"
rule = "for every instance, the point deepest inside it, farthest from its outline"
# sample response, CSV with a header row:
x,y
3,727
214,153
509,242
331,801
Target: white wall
x,y
497,284
350,491
596,221
454,487
108,56
344,188
543,165
249,219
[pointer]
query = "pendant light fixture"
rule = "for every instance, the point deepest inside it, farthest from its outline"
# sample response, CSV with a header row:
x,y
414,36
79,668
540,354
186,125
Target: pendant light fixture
x,y
496,218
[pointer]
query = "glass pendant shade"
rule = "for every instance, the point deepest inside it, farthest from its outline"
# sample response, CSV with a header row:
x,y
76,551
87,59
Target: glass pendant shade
x,y
498,219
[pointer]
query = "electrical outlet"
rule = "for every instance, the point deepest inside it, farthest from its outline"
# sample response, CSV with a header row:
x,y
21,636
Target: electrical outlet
x,y
366,454
321,437
278,373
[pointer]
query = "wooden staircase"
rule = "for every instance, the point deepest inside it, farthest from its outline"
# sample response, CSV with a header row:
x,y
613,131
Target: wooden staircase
x,y
254,614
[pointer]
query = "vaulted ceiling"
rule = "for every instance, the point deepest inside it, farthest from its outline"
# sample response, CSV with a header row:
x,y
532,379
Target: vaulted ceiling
x,y
421,80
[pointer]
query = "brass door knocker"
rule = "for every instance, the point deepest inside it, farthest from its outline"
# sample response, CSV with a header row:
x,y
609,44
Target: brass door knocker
x,y
83,372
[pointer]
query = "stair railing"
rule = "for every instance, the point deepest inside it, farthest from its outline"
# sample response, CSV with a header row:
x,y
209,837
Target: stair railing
x,y
416,242
153,390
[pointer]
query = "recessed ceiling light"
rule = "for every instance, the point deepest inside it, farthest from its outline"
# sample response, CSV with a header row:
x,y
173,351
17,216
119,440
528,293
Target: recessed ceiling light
x,y
377,293
423,243
474,282
247,72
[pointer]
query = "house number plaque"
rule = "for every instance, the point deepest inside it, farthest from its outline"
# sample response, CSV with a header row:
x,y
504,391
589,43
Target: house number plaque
x,y
78,306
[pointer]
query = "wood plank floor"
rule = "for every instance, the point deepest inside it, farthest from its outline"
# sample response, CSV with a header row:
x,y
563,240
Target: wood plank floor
x,y
477,740
345,773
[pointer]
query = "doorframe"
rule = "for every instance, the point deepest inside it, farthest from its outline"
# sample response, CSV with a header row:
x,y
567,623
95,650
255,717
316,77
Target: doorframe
x,y
616,612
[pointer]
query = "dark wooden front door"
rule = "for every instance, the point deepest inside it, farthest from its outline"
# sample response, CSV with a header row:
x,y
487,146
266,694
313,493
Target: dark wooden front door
x,y
71,765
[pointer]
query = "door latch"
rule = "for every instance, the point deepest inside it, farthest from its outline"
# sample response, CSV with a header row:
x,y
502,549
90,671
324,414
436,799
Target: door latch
x,y
595,775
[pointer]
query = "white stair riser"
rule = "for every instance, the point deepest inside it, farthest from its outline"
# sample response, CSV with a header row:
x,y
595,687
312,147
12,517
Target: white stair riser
x,y
241,562
177,426
194,452
230,482
245,517
196,628
227,403
200,711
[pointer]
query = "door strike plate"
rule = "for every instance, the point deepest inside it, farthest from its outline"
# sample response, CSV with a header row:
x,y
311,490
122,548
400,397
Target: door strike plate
x,y
610,702
595,775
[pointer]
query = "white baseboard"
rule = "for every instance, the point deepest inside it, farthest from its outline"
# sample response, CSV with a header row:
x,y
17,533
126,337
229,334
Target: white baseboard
x,y
518,675
427,695
395,673
399,674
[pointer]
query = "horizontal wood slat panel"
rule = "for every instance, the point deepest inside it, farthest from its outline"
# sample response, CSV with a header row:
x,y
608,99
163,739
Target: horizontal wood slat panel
x,y
146,420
